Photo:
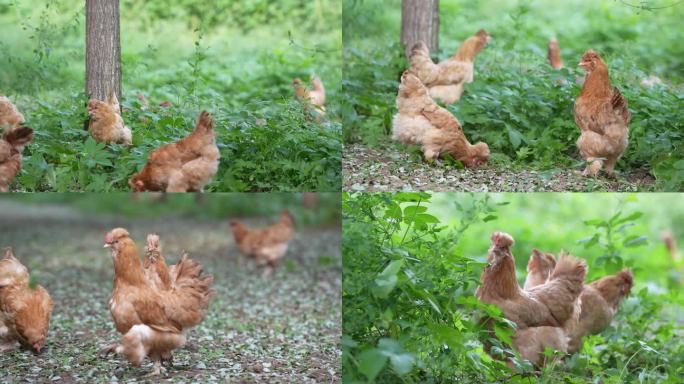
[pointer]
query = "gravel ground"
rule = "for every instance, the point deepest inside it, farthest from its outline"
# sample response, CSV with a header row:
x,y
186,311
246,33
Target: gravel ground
x,y
285,328
390,168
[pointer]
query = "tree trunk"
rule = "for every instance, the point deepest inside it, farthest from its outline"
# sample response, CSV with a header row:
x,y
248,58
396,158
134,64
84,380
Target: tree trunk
x,y
420,22
103,49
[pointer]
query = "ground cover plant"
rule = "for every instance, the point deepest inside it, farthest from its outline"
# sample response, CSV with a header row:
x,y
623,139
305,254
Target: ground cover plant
x,y
517,103
412,262
284,328
234,59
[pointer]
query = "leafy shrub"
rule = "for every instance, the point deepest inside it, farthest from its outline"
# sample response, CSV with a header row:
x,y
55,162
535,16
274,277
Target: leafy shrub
x,y
411,263
517,104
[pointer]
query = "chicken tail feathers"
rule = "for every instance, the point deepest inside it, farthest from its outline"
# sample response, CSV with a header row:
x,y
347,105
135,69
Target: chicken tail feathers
x,y
620,105
569,267
18,136
192,283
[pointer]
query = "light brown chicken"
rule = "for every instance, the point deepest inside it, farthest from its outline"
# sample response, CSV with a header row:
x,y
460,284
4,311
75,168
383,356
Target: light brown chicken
x,y
550,304
531,342
266,245
539,268
10,117
446,80
315,97
671,245
153,321
422,122
154,263
12,145
184,166
24,310
602,116
106,124
598,302
554,56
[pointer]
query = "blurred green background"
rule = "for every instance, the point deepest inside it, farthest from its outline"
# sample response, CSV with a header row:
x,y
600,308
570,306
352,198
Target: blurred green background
x,y
313,210
553,222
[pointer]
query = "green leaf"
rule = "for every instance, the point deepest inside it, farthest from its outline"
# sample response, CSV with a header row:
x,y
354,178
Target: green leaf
x,y
490,218
371,362
635,241
631,217
402,361
387,279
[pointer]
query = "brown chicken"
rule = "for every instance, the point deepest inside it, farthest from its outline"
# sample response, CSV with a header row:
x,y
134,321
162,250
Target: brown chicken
x,y
12,145
421,121
671,245
531,342
598,302
153,321
314,97
554,55
266,245
602,116
24,310
446,80
106,124
539,268
154,263
10,117
184,166
550,304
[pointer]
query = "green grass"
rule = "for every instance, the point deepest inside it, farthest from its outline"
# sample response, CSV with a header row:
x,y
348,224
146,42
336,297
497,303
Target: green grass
x,y
240,72
514,103
285,328
412,263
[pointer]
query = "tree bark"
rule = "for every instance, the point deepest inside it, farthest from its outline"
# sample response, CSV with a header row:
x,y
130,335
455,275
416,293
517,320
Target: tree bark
x,y
420,22
103,49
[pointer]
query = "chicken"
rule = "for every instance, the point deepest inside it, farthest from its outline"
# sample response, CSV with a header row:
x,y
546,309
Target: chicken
x,y
106,124
9,114
315,97
602,116
549,304
554,55
266,245
539,269
421,121
11,146
184,166
24,310
600,300
153,321
154,263
671,245
531,342
446,80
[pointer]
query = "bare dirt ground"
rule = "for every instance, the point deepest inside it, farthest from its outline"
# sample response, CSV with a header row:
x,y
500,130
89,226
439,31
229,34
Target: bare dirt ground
x,y
284,328
390,168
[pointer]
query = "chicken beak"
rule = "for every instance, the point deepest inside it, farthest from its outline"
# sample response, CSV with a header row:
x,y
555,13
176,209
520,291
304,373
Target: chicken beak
x,y
584,64
107,245
37,347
